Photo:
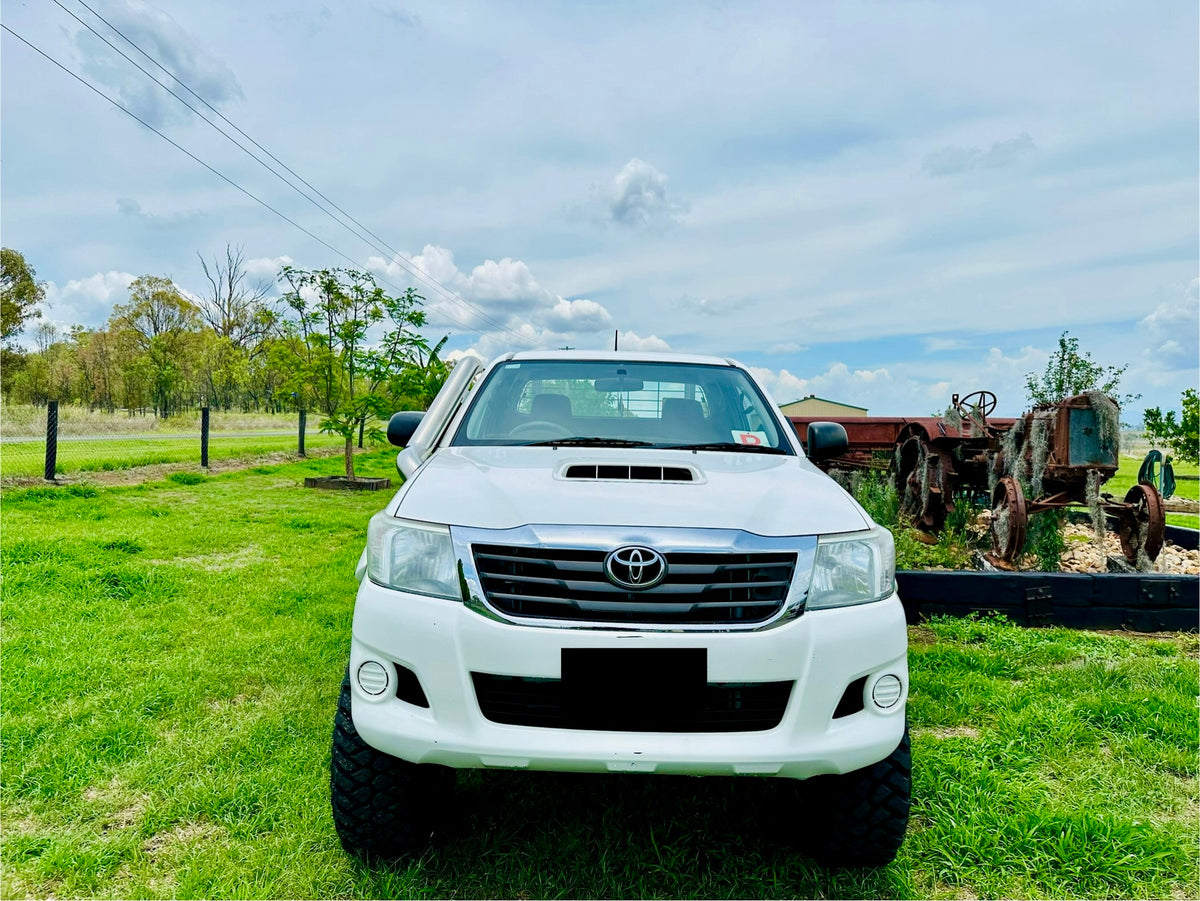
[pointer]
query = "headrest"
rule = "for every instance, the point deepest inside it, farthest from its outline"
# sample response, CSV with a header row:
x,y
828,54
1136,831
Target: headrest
x,y
682,410
552,407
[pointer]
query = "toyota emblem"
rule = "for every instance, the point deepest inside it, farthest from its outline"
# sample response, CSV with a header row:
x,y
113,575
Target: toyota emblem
x,y
635,567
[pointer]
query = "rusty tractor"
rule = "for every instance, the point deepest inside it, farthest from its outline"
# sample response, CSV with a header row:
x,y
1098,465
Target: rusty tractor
x,y
1065,452
932,458
1056,449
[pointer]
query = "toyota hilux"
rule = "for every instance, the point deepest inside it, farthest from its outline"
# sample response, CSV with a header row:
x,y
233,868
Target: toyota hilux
x,y
621,563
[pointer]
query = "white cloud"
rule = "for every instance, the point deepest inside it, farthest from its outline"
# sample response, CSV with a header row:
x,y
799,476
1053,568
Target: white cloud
x,y
178,52
86,301
506,280
633,341
709,307
935,344
638,197
266,267
578,316
500,299
953,160
1173,330
786,347
127,206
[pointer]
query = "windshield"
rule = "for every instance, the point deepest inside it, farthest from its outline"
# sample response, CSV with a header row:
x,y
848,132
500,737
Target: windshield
x,y
615,404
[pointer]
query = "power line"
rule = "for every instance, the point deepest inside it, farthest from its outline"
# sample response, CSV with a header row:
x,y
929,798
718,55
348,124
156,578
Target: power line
x,y
358,230
381,246
217,112
413,270
178,147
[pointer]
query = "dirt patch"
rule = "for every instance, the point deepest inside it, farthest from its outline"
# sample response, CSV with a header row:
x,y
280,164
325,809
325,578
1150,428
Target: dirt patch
x,y
156,472
218,704
14,886
957,892
921,635
124,808
215,563
182,835
23,826
950,732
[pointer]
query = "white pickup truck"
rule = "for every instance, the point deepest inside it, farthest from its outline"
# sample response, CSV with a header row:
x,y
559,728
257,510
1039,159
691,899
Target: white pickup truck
x,y
623,563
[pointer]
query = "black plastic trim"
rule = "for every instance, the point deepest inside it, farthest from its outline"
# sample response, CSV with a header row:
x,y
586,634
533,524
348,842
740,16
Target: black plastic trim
x,y
1137,602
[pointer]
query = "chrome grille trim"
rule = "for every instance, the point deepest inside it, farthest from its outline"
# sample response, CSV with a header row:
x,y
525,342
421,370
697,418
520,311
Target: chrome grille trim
x,y
589,601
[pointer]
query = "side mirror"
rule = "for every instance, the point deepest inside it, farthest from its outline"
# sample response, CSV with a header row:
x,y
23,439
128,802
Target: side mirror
x,y
826,439
402,425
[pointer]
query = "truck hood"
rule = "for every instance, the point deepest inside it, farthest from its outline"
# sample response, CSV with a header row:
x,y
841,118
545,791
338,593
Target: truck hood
x,y
507,487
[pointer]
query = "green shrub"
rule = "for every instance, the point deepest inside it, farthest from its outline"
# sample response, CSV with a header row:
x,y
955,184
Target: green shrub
x,y
1044,539
186,478
50,493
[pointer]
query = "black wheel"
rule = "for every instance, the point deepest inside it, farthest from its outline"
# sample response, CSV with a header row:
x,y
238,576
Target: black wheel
x,y
383,807
862,816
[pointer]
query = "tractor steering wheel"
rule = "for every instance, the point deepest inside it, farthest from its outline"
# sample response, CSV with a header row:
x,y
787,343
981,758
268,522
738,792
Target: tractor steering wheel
x,y
983,402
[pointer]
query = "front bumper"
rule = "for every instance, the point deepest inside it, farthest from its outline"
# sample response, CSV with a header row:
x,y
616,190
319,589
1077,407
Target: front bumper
x,y
443,642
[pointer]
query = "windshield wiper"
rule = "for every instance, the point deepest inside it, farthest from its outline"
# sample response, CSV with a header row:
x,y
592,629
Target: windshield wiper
x,y
726,446
580,441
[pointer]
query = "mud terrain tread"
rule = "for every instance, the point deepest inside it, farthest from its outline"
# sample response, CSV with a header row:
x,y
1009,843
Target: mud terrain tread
x,y
383,807
866,811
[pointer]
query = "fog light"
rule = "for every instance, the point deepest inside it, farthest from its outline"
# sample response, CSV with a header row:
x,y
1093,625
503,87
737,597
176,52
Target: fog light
x,y
373,678
887,691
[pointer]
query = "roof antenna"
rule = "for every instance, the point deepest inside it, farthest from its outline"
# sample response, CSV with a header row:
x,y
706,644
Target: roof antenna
x,y
615,335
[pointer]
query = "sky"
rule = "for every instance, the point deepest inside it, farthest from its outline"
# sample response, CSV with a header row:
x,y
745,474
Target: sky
x,y
880,203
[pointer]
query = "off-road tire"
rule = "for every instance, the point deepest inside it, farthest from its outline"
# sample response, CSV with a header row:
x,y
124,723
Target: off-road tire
x,y
383,807
861,817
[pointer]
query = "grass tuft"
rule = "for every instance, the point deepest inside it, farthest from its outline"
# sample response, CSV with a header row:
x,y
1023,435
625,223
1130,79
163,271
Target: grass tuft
x,y
186,478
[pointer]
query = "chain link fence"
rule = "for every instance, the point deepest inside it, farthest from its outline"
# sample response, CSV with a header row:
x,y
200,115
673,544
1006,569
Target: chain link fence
x,y
45,441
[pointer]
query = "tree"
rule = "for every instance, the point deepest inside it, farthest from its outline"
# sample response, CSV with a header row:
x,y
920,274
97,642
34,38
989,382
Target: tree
x,y
159,327
324,347
20,294
232,307
95,349
1070,372
1183,437
414,379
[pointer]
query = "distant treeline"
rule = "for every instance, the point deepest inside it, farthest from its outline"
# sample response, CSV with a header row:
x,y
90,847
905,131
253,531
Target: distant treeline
x,y
163,352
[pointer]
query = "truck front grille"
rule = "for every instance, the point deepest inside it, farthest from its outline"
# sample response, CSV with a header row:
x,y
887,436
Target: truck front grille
x,y
723,707
569,584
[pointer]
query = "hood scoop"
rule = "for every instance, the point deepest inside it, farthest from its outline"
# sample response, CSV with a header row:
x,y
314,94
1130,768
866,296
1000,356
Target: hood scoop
x,y
596,472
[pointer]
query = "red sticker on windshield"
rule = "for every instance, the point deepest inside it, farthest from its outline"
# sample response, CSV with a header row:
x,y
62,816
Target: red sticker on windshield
x,y
752,438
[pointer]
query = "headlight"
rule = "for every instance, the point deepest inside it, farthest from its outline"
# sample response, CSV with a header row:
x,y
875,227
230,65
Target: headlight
x,y
853,568
412,556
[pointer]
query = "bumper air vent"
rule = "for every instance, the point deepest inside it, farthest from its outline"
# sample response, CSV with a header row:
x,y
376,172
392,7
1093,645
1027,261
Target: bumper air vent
x,y
852,699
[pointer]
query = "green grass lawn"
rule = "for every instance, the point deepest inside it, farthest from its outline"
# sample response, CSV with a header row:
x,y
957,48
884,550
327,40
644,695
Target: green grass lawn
x,y
126,451
172,655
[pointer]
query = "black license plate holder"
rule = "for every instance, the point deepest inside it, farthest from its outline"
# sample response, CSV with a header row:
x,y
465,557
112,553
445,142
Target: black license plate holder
x,y
632,689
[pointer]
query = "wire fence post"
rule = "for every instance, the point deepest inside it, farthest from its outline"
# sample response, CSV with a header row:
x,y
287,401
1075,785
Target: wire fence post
x,y
300,440
51,439
361,425
204,437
